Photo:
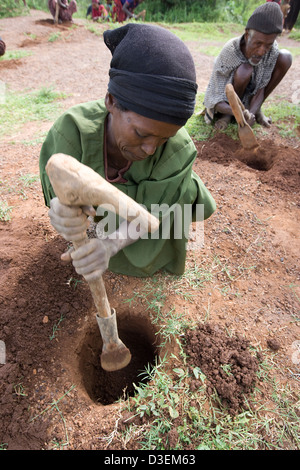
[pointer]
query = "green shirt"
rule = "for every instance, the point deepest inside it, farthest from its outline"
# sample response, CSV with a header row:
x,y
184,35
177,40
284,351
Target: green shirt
x,y
166,177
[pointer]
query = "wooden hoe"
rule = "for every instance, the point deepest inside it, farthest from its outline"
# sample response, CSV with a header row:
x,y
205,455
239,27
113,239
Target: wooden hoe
x,y
78,185
246,135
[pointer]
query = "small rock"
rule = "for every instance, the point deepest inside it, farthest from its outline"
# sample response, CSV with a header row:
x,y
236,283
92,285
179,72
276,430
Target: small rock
x,y
273,344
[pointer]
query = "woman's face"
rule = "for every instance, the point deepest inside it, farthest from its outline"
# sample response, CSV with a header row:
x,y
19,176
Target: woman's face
x,y
134,136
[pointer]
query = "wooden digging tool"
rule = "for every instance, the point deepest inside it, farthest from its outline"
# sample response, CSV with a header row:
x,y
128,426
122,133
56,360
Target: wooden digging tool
x,y
56,12
246,135
76,184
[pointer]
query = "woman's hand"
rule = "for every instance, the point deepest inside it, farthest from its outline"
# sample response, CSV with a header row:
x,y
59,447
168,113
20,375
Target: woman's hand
x,y
70,222
91,258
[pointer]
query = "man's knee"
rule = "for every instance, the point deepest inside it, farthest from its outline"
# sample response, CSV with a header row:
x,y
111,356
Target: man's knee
x,y
284,61
242,77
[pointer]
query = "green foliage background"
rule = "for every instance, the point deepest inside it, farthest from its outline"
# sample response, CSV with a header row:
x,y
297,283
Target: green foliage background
x,y
170,11
160,11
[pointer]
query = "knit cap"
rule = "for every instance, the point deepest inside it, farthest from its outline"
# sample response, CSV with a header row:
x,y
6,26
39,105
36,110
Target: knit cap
x,y
267,19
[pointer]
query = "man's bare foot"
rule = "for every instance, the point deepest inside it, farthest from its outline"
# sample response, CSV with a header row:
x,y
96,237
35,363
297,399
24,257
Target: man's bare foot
x,y
223,122
262,119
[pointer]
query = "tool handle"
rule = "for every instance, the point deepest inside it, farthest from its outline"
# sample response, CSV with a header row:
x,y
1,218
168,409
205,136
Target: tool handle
x,y
97,289
240,103
236,105
75,184
78,185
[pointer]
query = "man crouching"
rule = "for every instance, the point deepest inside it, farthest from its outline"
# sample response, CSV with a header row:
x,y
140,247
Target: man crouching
x,y
253,64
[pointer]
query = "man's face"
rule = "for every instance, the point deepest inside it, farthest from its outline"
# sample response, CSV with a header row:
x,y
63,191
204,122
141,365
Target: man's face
x,y
257,45
135,136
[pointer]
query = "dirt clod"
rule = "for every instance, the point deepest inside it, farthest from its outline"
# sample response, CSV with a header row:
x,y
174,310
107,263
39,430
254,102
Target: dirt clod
x,y
226,361
273,344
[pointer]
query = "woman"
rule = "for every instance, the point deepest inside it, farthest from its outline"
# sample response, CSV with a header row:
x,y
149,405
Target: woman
x,y
135,139
292,15
124,10
98,11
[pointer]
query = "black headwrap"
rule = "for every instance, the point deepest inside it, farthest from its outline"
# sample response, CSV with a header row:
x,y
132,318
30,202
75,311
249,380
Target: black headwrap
x,y
152,72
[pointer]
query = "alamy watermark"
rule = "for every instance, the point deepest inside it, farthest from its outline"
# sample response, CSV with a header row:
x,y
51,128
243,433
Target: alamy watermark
x,y
296,92
296,352
2,92
2,352
175,223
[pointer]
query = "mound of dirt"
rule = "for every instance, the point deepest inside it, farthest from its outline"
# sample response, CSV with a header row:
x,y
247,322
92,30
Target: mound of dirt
x,y
277,164
226,361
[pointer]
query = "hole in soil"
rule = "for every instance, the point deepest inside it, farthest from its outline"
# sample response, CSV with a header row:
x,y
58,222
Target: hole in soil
x,y
107,387
261,159
259,164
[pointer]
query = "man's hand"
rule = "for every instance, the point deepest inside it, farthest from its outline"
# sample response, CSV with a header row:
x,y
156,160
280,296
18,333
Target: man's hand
x,y
250,117
61,4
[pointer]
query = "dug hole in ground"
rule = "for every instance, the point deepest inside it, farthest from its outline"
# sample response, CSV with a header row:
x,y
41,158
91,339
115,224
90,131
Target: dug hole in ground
x,y
240,293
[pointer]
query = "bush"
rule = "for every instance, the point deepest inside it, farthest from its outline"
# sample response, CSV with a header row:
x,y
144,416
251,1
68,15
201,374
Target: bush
x,y
168,11
176,11
10,8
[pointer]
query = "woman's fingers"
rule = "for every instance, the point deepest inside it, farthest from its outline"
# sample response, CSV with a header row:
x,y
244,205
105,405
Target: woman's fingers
x,y
68,221
91,259
89,210
66,257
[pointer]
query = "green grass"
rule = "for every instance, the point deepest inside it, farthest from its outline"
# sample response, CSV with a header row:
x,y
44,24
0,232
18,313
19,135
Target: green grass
x,y
295,34
15,55
53,407
199,130
295,51
285,116
28,179
167,397
5,211
164,400
54,37
211,50
206,31
20,108
18,186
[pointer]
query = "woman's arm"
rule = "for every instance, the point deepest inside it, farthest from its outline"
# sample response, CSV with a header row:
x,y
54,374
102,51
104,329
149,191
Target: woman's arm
x,y
128,13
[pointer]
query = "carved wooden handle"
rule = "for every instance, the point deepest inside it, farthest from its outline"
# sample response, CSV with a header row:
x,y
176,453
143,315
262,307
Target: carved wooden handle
x,y
236,104
98,290
75,184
